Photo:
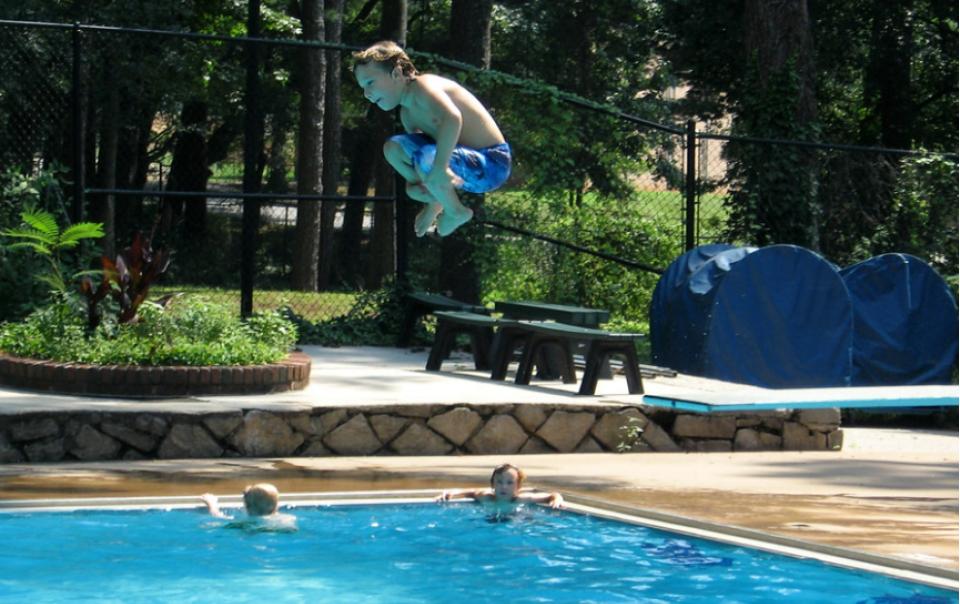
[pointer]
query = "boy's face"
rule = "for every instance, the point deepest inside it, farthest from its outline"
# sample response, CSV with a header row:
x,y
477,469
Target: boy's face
x,y
506,484
383,88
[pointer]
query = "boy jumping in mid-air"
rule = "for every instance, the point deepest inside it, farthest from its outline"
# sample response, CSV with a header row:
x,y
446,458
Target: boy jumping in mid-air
x,y
446,126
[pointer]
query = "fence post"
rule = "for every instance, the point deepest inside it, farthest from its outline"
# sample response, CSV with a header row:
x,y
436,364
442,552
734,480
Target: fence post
x,y
252,145
76,94
690,193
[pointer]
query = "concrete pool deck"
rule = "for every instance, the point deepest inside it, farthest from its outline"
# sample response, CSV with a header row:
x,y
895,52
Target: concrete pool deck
x,y
889,492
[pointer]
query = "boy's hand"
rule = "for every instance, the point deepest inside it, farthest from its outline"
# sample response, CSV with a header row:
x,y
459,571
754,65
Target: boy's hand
x,y
439,179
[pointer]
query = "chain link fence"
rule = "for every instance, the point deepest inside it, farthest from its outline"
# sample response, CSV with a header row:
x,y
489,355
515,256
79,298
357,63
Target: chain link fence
x,y
598,204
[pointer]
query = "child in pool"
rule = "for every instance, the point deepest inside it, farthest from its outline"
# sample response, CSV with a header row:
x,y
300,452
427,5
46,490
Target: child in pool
x,y
506,483
446,126
260,501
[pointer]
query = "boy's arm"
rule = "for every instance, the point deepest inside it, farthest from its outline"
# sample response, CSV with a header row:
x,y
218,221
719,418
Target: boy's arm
x,y
461,494
213,505
447,122
554,499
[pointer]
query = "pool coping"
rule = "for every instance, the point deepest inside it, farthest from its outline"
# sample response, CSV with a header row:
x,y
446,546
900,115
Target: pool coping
x,y
777,544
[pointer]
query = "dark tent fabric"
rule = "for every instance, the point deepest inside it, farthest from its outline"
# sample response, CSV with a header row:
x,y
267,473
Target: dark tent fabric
x,y
905,322
673,329
778,316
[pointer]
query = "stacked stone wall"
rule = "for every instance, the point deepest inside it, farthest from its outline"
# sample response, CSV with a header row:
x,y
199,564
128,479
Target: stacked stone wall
x,y
408,430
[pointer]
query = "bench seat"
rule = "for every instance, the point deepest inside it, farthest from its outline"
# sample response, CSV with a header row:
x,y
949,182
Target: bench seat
x,y
601,344
451,323
418,304
494,340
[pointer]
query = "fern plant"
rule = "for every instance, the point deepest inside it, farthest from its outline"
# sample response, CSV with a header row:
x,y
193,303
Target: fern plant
x,y
41,233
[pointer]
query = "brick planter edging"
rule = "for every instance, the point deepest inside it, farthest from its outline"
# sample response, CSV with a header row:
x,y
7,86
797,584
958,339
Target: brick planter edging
x,y
292,373
428,429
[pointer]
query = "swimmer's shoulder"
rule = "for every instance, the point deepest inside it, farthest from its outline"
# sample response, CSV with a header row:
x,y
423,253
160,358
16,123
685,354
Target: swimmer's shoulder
x,y
274,523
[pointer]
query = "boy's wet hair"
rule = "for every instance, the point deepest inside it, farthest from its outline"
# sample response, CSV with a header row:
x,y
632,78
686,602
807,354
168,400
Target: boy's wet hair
x,y
386,53
261,499
505,468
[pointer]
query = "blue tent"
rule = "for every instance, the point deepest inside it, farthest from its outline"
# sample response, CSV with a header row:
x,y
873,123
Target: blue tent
x,y
905,322
778,316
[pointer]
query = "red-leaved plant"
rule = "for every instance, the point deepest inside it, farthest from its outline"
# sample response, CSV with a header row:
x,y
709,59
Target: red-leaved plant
x,y
127,279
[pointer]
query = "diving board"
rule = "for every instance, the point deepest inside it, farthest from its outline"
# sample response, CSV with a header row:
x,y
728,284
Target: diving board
x,y
765,399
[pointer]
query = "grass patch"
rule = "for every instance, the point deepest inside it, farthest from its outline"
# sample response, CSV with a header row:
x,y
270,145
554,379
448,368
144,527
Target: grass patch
x,y
312,306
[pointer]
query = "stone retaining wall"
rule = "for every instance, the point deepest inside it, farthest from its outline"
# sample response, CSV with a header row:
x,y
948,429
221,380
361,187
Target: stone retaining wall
x,y
292,373
407,430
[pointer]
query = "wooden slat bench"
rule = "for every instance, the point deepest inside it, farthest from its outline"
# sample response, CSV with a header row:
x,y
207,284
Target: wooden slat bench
x,y
550,363
451,323
601,345
419,304
507,335
492,341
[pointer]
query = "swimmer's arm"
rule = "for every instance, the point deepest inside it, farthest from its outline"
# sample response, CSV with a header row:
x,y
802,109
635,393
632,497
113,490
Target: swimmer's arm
x,y
213,506
446,122
554,499
474,494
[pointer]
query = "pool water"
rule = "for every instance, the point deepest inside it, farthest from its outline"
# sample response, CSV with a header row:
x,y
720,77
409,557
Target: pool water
x,y
405,553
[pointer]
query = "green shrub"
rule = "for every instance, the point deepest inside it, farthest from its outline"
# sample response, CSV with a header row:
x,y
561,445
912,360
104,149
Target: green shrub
x,y
18,193
518,268
186,332
374,320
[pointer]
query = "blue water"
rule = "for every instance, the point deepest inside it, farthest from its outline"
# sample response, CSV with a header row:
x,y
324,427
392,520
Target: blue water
x,y
404,553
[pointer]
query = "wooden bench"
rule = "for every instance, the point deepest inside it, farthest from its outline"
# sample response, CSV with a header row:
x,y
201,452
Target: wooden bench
x,y
451,323
418,304
490,339
601,345
494,340
550,363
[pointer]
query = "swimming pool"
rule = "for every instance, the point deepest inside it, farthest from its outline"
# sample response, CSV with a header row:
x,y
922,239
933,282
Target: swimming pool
x,y
404,553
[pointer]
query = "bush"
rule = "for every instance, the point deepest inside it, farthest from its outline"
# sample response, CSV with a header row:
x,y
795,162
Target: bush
x,y
20,192
374,320
186,332
515,268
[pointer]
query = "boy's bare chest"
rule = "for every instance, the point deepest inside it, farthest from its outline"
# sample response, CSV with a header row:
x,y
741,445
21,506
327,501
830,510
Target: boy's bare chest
x,y
414,122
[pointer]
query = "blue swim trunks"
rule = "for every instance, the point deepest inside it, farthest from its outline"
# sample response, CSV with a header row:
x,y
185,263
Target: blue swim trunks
x,y
482,170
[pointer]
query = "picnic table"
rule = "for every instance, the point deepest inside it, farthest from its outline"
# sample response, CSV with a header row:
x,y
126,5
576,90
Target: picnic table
x,y
550,365
561,313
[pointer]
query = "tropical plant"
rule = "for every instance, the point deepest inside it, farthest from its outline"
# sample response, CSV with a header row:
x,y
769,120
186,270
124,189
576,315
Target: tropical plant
x,y
41,233
134,271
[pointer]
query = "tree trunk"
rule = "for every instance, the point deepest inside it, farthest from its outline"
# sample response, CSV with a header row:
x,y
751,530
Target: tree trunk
x,y
103,209
470,22
189,171
393,26
778,34
332,141
779,50
276,160
309,150
363,160
886,86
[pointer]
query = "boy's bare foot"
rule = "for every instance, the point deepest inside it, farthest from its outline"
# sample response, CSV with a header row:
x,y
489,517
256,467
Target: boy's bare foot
x,y
425,218
451,221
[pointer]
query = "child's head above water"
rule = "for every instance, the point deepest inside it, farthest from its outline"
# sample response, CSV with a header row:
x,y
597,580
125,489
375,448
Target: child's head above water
x,y
261,499
506,481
